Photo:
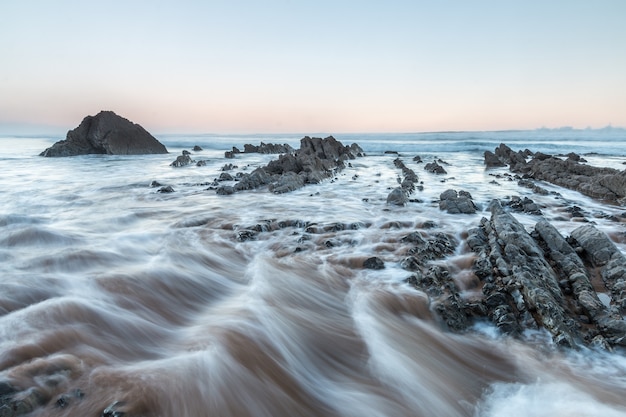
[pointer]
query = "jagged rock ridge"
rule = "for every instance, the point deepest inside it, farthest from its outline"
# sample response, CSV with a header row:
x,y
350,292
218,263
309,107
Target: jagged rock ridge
x,y
601,183
315,160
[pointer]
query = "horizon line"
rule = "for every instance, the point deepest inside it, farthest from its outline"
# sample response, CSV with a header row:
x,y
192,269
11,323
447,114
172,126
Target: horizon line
x,y
609,127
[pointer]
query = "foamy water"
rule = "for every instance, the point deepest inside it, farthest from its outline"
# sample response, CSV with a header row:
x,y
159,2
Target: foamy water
x,y
155,301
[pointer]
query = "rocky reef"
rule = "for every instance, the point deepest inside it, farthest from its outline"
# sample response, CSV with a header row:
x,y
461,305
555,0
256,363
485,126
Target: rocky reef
x,y
315,160
106,133
570,172
544,280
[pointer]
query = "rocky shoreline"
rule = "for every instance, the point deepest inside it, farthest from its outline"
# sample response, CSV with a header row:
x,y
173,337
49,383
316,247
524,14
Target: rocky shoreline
x,y
520,278
523,280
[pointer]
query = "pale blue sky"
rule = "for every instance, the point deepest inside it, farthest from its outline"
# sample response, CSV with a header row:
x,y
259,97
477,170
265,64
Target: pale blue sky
x,y
322,66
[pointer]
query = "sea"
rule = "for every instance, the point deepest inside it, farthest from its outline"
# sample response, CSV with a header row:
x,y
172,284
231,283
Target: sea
x,y
117,298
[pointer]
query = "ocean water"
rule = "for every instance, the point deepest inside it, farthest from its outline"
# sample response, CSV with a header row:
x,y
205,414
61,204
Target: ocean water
x,y
152,300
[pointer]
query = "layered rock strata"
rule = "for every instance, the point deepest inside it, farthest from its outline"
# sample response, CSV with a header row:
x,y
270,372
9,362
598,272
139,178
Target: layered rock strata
x,y
539,280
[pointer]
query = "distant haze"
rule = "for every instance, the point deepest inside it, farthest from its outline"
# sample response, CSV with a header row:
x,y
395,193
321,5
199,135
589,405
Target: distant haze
x,y
331,66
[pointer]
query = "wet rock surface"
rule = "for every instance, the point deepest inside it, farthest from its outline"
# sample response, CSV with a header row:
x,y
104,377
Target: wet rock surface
x,y
316,160
183,160
457,202
106,133
570,172
435,168
266,148
409,182
539,280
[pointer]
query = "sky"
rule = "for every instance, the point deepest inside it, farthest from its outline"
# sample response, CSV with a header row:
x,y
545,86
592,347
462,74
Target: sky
x,y
286,66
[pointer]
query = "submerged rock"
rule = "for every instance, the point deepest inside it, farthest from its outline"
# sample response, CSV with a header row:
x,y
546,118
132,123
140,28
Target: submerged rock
x,y
106,133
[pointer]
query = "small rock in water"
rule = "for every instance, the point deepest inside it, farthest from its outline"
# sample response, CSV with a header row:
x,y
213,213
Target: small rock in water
x,y
182,160
225,190
455,203
397,197
374,263
224,176
197,148
435,168
166,189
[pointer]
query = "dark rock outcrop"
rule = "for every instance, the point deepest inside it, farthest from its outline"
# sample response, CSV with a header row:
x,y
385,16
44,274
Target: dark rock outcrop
x,y
400,196
374,263
523,205
182,160
409,177
267,148
397,197
492,161
287,182
444,295
542,279
316,160
435,168
106,133
603,253
523,282
455,203
600,183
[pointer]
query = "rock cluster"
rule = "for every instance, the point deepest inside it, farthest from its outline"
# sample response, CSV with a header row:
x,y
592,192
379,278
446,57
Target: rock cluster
x,y
106,133
182,160
268,148
400,196
315,160
457,202
601,183
539,280
435,168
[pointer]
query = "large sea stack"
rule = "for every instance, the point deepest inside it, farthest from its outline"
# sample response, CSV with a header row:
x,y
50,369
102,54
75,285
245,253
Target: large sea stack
x,y
106,133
